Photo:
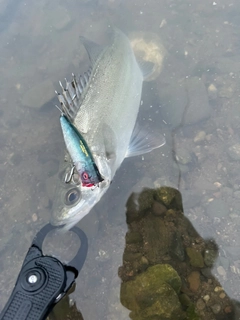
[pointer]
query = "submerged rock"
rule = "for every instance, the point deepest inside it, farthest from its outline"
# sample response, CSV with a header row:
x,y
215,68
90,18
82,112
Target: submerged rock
x,y
198,108
138,204
173,98
157,239
133,237
153,294
191,314
169,197
146,199
158,208
210,257
196,258
194,281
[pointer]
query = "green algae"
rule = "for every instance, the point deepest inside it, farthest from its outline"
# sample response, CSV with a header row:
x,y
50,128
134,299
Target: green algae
x,y
153,294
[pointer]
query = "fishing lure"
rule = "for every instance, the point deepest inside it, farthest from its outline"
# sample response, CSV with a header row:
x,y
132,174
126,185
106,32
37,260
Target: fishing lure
x,y
80,153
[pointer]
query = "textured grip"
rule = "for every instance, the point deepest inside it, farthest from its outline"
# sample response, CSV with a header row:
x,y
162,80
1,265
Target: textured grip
x,y
40,282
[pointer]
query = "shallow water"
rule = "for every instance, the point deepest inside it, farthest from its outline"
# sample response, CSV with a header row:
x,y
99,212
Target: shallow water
x,y
194,102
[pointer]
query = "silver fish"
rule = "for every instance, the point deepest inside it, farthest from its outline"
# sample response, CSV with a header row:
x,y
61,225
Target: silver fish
x,y
103,105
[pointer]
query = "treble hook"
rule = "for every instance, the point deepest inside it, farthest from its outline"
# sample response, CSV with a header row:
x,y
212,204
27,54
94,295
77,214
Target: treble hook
x,y
69,175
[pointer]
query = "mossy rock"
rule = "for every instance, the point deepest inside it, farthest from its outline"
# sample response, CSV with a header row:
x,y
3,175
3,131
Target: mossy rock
x,y
170,197
166,307
137,205
133,237
158,239
191,313
131,256
153,294
196,258
146,199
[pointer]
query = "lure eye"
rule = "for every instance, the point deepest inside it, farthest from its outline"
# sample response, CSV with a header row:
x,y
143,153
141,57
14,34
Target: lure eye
x,y
85,175
72,196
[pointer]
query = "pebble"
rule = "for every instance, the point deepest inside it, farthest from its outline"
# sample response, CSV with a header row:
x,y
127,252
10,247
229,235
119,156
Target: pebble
x,y
216,308
217,184
222,295
228,309
212,92
234,151
200,304
34,217
102,256
194,281
206,298
210,257
185,300
207,272
221,271
216,289
196,258
158,208
201,135
144,260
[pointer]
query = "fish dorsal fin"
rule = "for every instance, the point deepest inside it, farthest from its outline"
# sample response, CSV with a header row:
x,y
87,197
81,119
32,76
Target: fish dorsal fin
x,y
93,49
73,94
143,141
147,68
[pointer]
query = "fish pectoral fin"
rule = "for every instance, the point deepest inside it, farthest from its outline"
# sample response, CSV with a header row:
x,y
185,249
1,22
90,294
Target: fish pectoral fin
x,y
93,49
143,141
147,68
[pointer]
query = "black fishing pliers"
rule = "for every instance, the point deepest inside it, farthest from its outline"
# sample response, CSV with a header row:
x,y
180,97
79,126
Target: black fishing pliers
x,y
43,280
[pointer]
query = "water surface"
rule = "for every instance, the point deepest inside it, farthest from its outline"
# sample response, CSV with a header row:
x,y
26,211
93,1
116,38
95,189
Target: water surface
x,y
194,102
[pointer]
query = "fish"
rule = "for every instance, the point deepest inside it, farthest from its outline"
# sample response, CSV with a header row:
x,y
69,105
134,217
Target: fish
x,y
81,156
103,105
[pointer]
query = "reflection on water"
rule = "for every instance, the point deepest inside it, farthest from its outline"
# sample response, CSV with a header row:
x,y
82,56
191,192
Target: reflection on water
x,y
195,100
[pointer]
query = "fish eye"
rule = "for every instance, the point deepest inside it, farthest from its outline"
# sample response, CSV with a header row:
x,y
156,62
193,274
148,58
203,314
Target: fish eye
x,y
72,196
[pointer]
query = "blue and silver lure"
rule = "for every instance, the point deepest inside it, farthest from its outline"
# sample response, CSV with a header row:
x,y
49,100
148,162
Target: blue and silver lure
x,y
80,154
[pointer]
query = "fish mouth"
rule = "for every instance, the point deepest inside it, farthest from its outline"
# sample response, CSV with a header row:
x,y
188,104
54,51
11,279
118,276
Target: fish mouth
x,y
66,218
64,225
